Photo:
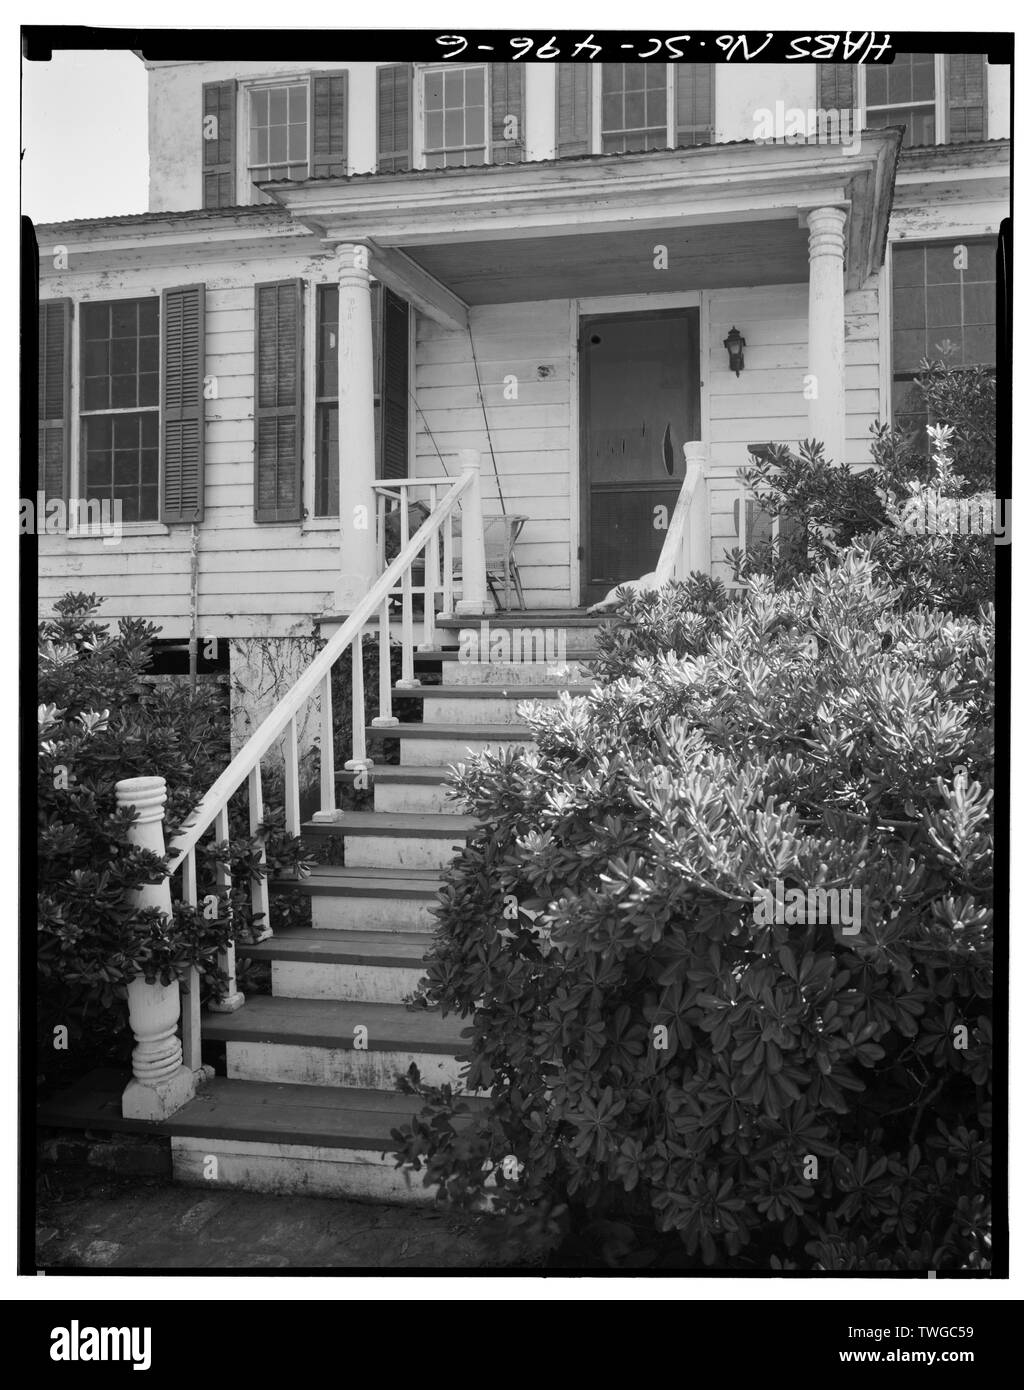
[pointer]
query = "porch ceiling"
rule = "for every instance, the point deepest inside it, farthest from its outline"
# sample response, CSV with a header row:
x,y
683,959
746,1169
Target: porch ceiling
x,y
738,254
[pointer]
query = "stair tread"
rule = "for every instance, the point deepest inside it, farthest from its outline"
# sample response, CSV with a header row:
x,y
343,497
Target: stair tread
x,y
432,824
521,732
330,1023
258,1111
356,882
389,772
452,654
329,945
495,691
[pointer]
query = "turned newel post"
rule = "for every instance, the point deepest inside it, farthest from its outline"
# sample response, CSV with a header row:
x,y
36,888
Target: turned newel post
x,y
697,546
161,1084
826,341
474,568
357,518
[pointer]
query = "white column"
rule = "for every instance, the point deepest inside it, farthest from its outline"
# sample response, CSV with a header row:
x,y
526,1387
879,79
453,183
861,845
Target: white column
x,y
356,460
540,107
826,347
161,1083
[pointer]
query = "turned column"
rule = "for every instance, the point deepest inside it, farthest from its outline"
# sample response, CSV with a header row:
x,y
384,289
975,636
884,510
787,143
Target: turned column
x,y
161,1084
357,518
826,345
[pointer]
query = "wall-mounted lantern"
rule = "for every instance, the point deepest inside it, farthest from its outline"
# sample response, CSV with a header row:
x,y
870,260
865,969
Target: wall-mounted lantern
x,y
734,345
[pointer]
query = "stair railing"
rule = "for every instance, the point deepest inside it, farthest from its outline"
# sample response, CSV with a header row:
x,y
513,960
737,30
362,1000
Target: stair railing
x,y
212,810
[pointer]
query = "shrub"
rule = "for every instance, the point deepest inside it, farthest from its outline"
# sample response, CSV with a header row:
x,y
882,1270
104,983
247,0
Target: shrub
x,y
674,1081
100,721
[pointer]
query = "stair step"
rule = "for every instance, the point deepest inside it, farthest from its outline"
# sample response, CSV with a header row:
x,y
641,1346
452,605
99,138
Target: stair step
x,y
505,733
491,692
331,880
394,824
313,1041
447,654
387,772
369,899
328,947
366,967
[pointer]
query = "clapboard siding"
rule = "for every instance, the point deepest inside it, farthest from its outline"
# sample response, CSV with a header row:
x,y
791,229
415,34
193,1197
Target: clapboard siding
x,y
529,435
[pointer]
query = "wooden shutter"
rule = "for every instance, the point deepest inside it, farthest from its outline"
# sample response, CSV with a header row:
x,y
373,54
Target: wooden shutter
x,y
330,124
54,397
574,89
278,403
219,153
394,427
506,100
837,87
695,103
966,105
182,406
394,118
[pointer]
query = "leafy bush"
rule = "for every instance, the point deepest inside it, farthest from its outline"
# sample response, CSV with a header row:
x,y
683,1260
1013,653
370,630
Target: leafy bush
x,y
100,721
673,1081
824,508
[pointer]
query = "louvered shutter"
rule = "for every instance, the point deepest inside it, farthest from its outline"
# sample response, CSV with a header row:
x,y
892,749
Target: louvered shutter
x,y
394,429
837,87
330,124
54,397
394,118
695,103
278,404
182,406
218,137
965,97
574,89
507,101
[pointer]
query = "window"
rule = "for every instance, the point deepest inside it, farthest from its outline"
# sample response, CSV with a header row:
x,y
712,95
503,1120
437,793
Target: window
x,y
634,106
903,93
939,98
279,132
943,305
455,116
120,405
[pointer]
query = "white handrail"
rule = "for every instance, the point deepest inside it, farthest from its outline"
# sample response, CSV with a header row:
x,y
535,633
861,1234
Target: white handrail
x,y
279,719
696,456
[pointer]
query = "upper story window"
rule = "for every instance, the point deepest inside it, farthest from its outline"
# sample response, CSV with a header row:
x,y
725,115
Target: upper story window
x,y
455,116
614,107
120,406
634,106
279,132
940,98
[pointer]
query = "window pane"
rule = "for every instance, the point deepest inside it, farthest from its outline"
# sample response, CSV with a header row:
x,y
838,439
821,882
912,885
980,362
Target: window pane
x,y
126,431
435,130
433,90
475,87
476,131
126,468
454,129
297,108
278,145
96,320
123,392
259,107
278,105
454,89
124,319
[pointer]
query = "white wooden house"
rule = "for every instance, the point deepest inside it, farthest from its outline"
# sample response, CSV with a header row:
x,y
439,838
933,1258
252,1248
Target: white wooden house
x,y
358,272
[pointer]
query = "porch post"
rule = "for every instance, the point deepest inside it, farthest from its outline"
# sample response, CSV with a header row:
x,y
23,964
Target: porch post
x,y
357,515
826,346
161,1083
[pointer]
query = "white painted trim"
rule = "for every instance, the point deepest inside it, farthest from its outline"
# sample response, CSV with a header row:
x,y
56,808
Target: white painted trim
x,y
885,339
639,303
75,423
575,539
419,124
412,401
597,123
941,111
704,328
311,294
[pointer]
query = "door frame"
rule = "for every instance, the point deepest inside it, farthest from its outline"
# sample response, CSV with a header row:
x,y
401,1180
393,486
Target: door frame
x,y
630,305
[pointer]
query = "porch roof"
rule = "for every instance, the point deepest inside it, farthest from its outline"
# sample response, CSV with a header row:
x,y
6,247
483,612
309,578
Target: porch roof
x,y
727,215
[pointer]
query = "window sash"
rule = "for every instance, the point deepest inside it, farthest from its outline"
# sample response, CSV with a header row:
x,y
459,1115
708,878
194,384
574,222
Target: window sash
x,y
637,86
442,124
295,163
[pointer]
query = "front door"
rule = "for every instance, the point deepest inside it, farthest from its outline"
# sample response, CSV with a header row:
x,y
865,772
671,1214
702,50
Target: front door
x,y
640,402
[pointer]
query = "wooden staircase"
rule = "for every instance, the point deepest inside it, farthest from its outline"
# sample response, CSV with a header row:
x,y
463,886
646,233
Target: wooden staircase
x,y
307,1099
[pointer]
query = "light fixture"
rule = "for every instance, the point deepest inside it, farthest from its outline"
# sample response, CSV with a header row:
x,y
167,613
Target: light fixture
x,y
734,345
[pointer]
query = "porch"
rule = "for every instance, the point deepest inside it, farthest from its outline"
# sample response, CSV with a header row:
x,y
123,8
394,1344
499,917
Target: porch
x,y
509,268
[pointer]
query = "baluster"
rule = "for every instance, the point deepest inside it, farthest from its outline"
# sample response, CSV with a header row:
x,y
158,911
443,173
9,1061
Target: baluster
x,y
291,779
191,1002
328,791
408,679
448,598
260,887
358,762
233,999
385,720
431,582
